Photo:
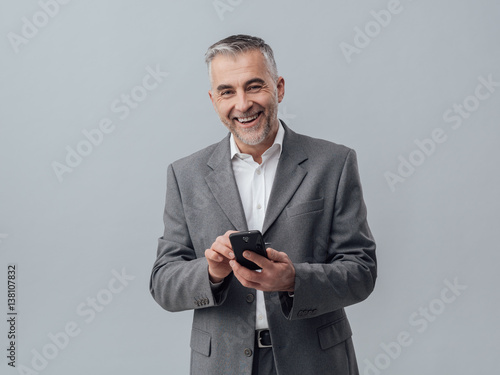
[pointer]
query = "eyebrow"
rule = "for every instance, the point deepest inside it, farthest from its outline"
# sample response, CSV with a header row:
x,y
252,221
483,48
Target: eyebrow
x,y
247,83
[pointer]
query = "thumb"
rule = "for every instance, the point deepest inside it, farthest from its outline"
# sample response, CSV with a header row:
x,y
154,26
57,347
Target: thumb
x,y
275,255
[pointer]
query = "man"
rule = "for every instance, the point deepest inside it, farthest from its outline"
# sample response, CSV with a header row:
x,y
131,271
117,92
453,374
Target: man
x,y
303,194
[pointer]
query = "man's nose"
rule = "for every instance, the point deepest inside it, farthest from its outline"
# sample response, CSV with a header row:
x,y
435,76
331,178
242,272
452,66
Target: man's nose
x,y
243,102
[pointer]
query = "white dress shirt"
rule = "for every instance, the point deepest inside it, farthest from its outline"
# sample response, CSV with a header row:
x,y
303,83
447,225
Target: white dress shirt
x,y
254,182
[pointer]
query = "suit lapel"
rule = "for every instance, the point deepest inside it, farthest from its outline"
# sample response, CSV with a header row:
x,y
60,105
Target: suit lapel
x,y
222,183
289,176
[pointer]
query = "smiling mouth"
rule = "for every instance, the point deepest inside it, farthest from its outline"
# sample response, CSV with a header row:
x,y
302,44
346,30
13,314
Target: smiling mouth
x,y
248,120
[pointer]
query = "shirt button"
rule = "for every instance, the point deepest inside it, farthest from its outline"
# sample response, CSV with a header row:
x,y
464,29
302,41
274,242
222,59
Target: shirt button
x,y
257,171
259,206
248,352
260,317
250,298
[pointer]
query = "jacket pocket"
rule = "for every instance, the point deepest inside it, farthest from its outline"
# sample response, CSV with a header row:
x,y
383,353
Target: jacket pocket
x,y
201,342
334,333
305,207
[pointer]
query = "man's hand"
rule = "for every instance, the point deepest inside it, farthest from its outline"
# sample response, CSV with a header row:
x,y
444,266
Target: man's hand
x,y
218,257
277,274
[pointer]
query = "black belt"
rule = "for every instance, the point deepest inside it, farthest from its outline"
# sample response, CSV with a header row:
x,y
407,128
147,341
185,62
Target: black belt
x,y
263,338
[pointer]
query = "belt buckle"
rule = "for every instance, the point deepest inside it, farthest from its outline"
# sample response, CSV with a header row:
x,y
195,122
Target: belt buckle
x,y
259,339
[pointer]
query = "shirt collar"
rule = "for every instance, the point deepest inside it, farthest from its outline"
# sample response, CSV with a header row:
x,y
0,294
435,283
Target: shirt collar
x,y
278,144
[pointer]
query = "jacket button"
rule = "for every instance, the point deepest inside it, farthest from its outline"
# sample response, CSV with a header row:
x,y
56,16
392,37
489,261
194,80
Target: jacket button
x,y
248,352
250,298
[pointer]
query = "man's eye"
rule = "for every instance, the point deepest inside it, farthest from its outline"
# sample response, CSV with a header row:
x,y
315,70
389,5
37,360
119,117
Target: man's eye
x,y
254,88
225,92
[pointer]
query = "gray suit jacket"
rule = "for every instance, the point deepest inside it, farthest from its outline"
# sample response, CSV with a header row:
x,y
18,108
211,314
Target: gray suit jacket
x,y
315,214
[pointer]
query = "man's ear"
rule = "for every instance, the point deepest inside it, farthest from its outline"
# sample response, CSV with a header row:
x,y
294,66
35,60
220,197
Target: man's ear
x,y
280,85
211,97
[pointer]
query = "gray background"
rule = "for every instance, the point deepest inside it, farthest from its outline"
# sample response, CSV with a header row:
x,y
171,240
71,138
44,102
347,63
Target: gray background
x,y
436,225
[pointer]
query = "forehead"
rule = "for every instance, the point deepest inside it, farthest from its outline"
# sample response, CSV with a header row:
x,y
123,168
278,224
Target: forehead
x,y
229,69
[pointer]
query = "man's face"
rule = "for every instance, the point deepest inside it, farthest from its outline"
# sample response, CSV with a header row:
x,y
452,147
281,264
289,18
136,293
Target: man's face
x,y
246,97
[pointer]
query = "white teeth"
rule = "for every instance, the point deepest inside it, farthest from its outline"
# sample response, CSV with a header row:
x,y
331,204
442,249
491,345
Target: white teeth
x,y
247,119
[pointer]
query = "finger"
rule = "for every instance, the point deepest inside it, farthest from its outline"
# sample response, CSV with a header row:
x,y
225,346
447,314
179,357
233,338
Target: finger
x,y
228,233
227,242
213,256
277,256
248,284
243,272
220,246
224,239
259,260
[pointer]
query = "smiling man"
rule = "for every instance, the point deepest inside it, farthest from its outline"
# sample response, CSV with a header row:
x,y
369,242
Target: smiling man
x,y
245,94
303,194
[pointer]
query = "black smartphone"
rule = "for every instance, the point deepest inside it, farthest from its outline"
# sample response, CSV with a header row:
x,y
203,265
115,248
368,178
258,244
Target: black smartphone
x,y
248,240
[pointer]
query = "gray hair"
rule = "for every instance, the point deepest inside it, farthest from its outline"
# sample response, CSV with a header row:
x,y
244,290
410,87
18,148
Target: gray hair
x,y
236,44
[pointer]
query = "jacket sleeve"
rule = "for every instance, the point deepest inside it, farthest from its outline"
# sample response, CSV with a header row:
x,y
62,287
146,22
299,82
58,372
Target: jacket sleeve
x,y
348,273
179,279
